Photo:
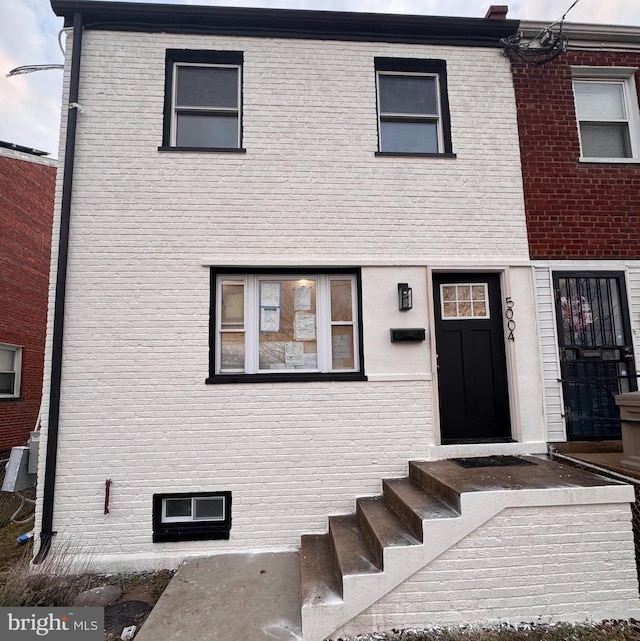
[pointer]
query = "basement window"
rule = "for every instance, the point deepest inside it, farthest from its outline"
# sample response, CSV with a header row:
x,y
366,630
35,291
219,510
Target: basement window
x,y
191,516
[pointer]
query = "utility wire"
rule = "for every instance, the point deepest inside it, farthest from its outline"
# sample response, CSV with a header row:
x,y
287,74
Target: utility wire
x,y
542,48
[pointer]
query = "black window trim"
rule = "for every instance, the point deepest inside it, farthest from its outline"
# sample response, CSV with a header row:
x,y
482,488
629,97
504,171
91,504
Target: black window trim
x,y
306,377
419,65
205,57
190,530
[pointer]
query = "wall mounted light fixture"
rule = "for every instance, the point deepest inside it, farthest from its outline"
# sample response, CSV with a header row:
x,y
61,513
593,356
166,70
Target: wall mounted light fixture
x,y
405,297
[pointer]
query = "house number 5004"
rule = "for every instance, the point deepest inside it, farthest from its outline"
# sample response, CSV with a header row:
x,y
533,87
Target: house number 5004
x,y
511,324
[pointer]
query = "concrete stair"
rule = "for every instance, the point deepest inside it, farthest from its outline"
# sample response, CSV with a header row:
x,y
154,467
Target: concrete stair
x,y
388,539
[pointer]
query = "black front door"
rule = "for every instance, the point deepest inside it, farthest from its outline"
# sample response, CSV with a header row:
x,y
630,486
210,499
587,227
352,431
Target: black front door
x,y
596,354
472,373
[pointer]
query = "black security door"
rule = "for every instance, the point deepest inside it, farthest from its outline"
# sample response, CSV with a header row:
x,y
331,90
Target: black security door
x,y
596,354
472,374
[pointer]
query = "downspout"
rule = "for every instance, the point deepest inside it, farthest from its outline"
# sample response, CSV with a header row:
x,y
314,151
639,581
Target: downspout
x,y
46,529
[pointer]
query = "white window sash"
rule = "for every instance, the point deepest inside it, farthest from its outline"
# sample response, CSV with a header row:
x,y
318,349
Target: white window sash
x,y
625,76
324,322
437,117
219,329
192,518
177,109
16,371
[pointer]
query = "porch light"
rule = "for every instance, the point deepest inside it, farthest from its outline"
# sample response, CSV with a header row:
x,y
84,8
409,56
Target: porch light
x,y
405,297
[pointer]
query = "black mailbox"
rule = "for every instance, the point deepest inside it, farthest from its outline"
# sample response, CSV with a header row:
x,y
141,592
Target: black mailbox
x,y
408,334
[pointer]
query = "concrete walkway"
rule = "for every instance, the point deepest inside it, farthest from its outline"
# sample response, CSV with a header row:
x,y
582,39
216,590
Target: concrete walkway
x,y
231,597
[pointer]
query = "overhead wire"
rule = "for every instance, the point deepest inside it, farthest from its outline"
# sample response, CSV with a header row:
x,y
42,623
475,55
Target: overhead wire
x,y
542,48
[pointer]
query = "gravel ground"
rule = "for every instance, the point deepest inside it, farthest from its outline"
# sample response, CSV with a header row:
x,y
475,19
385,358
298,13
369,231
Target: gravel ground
x,y
601,631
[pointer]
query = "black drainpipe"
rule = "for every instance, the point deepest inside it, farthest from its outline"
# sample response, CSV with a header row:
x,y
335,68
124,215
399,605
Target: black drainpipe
x,y
46,529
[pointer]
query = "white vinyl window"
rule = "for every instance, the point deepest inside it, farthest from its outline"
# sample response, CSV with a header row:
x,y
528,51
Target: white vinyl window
x,y
302,323
10,370
206,106
188,509
409,119
607,113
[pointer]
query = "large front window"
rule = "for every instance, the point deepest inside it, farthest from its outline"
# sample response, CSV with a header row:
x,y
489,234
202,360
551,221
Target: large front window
x,y
300,323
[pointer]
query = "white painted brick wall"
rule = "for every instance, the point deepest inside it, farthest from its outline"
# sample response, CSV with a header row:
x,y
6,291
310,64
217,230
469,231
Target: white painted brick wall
x,y
569,563
134,405
309,184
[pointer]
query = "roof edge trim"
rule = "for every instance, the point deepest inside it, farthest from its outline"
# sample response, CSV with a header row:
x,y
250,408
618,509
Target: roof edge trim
x,y
286,23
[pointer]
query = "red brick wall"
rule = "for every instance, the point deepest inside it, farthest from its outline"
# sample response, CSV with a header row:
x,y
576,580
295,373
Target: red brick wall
x,y
26,214
574,210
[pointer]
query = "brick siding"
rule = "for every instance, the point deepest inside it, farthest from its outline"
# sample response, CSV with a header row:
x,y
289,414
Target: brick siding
x,y
574,210
26,213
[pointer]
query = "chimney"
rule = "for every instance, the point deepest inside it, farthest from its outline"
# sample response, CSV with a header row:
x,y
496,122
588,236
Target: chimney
x,y
497,12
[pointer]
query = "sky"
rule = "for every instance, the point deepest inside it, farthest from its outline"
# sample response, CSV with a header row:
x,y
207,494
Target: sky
x,y
30,104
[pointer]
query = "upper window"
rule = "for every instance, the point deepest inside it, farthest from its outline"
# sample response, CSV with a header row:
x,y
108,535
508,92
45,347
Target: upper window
x,y
607,113
203,100
413,110
10,367
291,325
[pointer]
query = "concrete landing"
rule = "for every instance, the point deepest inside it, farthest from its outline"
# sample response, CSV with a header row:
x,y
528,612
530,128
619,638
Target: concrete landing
x,y
230,597
544,475
606,454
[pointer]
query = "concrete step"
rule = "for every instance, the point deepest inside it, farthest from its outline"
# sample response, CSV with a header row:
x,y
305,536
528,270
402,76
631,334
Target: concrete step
x,y
319,582
351,552
418,518
368,553
382,527
414,505
421,474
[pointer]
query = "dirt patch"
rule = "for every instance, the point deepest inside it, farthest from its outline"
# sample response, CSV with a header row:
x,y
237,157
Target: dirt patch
x,y
137,588
10,549
20,588
146,586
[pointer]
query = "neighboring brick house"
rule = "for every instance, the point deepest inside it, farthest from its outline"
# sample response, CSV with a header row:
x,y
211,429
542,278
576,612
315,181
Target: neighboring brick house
x,y
580,142
27,186
293,256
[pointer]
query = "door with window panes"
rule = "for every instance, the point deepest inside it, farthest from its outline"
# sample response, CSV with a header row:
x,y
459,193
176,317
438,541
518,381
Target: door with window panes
x,y
596,354
472,371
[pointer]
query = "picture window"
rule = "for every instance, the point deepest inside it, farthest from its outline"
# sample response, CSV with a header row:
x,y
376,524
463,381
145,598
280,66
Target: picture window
x,y
292,324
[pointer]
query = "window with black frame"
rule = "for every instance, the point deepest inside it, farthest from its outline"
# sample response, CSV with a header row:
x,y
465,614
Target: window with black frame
x,y
285,325
413,108
203,101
